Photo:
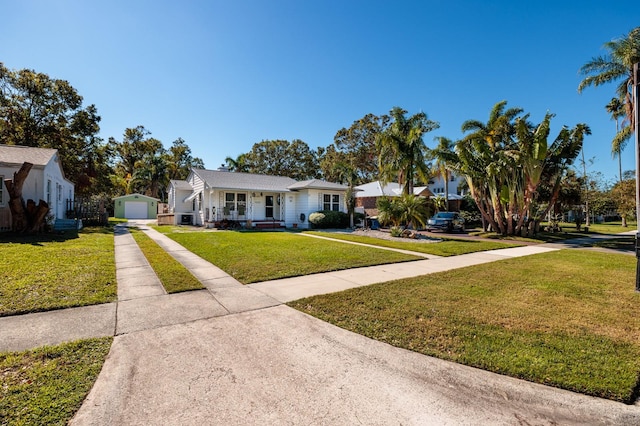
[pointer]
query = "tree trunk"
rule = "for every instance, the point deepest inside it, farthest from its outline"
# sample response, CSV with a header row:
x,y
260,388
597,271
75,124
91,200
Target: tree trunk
x,y
24,217
446,189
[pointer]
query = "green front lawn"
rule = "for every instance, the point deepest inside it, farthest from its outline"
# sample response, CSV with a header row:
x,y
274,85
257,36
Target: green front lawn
x,y
46,386
605,228
51,271
260,256
174,277
567,319
569,231
446,247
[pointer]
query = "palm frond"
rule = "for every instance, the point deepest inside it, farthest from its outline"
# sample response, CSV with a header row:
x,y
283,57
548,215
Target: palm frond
x,y
620,140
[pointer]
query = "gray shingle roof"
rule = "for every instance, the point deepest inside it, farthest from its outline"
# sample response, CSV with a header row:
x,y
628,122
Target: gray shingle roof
x,y
181,185
317,184
16,154
245,181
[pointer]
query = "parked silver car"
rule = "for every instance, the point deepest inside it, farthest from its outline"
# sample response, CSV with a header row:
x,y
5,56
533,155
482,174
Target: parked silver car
x,y
446,221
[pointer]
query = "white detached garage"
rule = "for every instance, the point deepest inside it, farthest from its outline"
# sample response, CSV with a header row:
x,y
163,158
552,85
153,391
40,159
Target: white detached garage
x,y
135,206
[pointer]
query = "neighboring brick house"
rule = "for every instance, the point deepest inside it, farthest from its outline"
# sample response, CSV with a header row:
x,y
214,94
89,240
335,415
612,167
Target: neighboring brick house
x,y
367,194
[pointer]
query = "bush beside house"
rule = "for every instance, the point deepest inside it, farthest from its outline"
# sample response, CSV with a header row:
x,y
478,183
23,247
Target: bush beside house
x,y
326,219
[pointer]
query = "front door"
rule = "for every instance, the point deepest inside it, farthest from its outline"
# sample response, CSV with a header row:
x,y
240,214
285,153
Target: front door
x,y
268,206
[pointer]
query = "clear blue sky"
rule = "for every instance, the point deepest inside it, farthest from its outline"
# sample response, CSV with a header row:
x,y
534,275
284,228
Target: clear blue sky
x,y
224,75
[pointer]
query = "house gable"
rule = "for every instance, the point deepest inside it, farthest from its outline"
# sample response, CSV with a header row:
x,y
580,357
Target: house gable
x,y
46,180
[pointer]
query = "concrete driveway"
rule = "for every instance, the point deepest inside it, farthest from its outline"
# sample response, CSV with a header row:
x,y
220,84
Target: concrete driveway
x,y
280,366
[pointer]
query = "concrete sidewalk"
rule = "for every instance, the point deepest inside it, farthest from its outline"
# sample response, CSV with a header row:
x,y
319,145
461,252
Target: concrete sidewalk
x,y
288,289
143,303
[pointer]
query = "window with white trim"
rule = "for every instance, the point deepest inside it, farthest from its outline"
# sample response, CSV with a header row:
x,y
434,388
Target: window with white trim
x,y
235,202
331,202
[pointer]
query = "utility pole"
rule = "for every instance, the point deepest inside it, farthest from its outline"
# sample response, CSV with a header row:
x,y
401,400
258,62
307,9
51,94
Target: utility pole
x,y
636,116
587,222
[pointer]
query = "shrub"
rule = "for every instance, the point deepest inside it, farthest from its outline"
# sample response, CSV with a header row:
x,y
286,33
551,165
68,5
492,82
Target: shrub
x,y
471,219
403,210
316,218
396,231
328,219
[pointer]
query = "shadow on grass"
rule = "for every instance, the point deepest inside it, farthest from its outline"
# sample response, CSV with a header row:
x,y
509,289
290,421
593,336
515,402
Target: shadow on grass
x,y
51,236
635,394
622,243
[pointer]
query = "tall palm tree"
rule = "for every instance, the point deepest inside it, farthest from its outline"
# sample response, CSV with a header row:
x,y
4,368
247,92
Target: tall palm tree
x,y
238,164
615,107
485,161
444,157
402,151
616,65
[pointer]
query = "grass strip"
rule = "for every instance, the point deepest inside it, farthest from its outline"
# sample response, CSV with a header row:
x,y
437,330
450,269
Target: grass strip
x,y
446,247
569,231
53,271
567,319
260,256
46,386
174,277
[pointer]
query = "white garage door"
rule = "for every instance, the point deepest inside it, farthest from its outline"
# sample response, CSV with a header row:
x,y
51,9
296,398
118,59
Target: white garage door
x,y
135,210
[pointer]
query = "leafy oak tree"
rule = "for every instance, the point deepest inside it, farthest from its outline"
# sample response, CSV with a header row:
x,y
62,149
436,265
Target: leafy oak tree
x,y
39,111
180,161
356,146
142,164
283,158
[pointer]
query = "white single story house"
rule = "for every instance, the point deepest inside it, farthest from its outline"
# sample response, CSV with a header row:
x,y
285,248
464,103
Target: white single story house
x,y
46,180
135,206
212,196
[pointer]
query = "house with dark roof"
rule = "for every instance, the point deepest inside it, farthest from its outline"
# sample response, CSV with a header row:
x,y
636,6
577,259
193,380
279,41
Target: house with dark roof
x,y
46,180
215,196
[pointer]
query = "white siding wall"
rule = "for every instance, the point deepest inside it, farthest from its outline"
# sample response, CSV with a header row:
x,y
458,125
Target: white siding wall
x,y
198,187
213,204
35,187
180,206
60,188
437,187
313,201
171,198
291,208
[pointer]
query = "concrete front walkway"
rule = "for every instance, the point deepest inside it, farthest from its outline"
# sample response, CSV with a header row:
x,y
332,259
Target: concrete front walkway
x,y
233,354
